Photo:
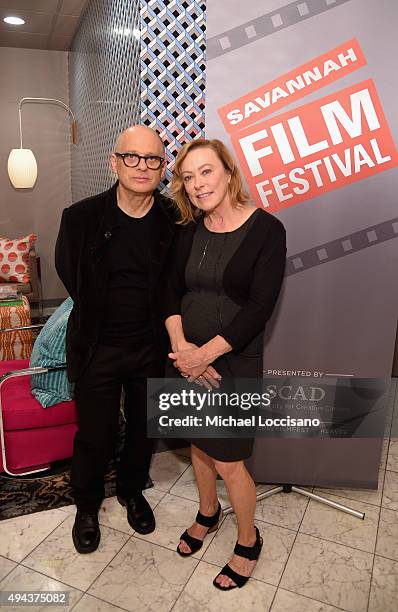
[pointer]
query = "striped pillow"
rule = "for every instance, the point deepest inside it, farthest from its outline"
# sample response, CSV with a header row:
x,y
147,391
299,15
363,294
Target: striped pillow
x,y
49,350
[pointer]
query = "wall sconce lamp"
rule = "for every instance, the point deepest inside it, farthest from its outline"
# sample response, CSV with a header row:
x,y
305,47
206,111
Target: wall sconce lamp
x,y
22,165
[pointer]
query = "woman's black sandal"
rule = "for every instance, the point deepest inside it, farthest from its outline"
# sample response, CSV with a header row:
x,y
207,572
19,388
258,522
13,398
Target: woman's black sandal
x,y
206,521
247,552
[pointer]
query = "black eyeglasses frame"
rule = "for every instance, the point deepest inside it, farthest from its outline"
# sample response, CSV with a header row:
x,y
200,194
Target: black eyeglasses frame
x,y
140,157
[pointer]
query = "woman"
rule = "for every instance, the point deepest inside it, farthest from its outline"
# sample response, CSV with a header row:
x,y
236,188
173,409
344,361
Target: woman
x,y
228,267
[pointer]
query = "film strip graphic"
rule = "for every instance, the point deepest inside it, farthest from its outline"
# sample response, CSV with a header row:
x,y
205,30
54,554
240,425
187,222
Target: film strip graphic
x,y
341,247
267,24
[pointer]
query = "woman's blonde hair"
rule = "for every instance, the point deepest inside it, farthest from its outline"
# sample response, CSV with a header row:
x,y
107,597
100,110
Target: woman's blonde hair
x,y
189,212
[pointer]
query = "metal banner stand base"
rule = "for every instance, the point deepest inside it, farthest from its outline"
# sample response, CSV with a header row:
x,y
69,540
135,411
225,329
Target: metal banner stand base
x,y
288,488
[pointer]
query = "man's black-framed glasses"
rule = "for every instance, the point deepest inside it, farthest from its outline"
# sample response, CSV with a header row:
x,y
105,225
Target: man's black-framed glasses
x,y
131,160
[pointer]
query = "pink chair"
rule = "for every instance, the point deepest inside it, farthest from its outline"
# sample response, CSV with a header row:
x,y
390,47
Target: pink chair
x,y
31,437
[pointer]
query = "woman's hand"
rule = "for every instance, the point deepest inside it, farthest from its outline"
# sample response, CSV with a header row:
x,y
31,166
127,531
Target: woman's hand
x,y
183,345
189,360
209,377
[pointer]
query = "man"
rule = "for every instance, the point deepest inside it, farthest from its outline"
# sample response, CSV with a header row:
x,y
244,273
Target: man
x,y
110,255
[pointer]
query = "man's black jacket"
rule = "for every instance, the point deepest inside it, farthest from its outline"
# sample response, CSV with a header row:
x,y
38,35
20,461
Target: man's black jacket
x,y
87,229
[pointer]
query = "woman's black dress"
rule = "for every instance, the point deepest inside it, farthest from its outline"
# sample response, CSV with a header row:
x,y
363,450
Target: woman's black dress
x,y
206,310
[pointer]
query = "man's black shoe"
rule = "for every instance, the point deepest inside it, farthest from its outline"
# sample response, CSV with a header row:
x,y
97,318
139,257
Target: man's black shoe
x,y
86,532
139,513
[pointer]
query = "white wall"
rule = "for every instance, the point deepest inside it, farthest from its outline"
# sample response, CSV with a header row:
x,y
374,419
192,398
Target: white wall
x,y
36,73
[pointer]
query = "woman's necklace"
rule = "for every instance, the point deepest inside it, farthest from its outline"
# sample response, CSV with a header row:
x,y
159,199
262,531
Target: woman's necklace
x,y
203,255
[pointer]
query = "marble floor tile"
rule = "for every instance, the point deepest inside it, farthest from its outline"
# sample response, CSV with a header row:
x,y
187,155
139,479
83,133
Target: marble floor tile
x,y
390,494
275,552
186,487
387,537
384,588
282,509
200,595
88,603
24,579
384,453
20,535
328,572
5,567
389,411
285,601
369,496
392,458
114,515
173,515
70,509
57,557
166,468
143,577
325,522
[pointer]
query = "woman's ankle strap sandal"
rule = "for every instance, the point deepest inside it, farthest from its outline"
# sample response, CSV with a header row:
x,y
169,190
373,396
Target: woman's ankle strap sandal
x,y
248,552
211,522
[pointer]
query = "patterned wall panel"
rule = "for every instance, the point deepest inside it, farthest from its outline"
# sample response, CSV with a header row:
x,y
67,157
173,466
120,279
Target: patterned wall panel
x,y
134,61
104,82
173,49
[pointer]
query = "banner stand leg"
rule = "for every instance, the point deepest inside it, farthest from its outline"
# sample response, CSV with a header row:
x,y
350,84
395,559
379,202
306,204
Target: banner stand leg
x,y
288,488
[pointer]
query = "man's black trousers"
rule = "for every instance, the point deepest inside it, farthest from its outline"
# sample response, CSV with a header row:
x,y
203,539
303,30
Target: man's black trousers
x,y
97,395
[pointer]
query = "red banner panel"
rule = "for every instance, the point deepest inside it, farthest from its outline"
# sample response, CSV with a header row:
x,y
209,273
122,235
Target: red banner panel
x,y
316,148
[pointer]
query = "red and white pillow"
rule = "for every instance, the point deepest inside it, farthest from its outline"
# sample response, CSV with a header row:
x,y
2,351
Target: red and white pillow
x,y
14,258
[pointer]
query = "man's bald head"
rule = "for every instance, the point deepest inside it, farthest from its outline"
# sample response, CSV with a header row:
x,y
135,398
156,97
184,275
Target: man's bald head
x,y
136,136
144,143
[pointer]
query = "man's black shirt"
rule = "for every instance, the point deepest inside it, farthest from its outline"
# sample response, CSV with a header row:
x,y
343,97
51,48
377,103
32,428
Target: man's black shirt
x,y
127,319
